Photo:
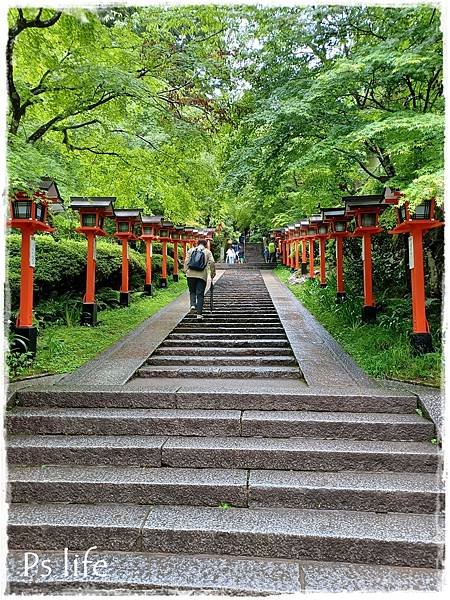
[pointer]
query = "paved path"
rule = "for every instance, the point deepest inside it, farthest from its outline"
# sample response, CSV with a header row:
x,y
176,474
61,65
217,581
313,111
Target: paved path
x,y
289,470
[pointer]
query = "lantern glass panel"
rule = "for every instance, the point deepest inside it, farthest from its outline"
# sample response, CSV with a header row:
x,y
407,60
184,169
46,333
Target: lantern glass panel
x,y
89,219
311,232
402,213
368,220
101,221
423,210
22,209
323,229
147,231
40,212
123,226
340,226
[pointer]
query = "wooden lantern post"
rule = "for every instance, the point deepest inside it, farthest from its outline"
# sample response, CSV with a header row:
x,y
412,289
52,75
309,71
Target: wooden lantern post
x,y
415,223
322,235
303,232
338,222
297,246
311,236
186,241
366,211
150,230
29,214
93,211
126,220
177,236
164,237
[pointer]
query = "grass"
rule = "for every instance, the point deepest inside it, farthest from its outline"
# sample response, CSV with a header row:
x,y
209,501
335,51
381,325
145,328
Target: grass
x,y
62,349
382,350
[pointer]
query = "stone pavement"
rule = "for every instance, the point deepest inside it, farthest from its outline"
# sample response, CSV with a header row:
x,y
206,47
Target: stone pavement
x,y
284,469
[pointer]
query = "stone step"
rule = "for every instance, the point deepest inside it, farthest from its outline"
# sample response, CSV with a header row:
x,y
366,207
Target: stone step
x,y
134,485
300,454
249,314
227,360
348,490
374,401
223,372
161,574
370,491
225,336
333,425
193,351
228,343
117,421
245,321
363,537
219,329
131,450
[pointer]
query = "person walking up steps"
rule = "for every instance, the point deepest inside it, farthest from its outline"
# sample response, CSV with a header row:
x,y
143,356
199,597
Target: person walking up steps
x,y
196,265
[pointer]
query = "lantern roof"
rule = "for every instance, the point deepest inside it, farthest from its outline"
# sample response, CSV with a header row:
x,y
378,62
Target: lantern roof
x,y
315,219
56,202
151,219
304,222
106,204
167,224
370,201
127,213
328,213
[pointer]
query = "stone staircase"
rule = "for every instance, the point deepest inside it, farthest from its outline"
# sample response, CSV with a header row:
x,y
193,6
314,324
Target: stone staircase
x,y
254,260
243,337
233,492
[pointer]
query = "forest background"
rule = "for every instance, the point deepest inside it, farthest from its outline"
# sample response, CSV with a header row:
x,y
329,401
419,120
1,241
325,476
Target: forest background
x,y
238,115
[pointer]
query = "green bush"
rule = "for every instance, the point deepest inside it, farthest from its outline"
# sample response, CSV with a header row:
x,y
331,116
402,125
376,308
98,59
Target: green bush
x,y
61,267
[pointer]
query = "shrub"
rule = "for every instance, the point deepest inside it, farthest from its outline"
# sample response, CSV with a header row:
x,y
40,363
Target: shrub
x,y
61,267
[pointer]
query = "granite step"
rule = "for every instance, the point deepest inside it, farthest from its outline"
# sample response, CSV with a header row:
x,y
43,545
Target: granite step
x,y
348,490
231,342
300,454
118,421
229,360
371,491
226,336
333,425
133,572
134,485
370,401
363,537
193,351
223,371
200,328
131,450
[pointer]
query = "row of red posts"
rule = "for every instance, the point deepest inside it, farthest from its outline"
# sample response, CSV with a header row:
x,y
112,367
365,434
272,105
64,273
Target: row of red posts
x,y
360,218
29,213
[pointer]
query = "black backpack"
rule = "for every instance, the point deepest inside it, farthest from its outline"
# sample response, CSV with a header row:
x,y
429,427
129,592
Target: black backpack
x,y
197,260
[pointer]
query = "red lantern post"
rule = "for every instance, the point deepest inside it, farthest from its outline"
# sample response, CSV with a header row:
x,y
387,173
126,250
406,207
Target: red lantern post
x,y
415,223
177,234
126,220
164,236
366,210
29,214
311,236
150,230
93,211
338,222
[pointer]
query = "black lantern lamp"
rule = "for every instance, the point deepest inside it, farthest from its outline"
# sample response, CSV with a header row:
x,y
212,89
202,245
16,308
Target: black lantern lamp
x,y
126,221
365,210
93,211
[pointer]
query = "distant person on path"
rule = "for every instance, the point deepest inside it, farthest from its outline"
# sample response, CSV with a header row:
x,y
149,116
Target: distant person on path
x,y
266,254
231,256
198,261
272,252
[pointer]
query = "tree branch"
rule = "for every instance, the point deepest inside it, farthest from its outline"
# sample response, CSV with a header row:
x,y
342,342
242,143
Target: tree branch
x,y
21,24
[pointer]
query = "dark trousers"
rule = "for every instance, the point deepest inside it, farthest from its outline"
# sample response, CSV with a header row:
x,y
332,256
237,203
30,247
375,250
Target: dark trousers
x,y
197,288
273,257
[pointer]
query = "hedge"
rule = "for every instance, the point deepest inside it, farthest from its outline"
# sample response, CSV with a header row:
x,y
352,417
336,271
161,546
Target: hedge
x,y
61,266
